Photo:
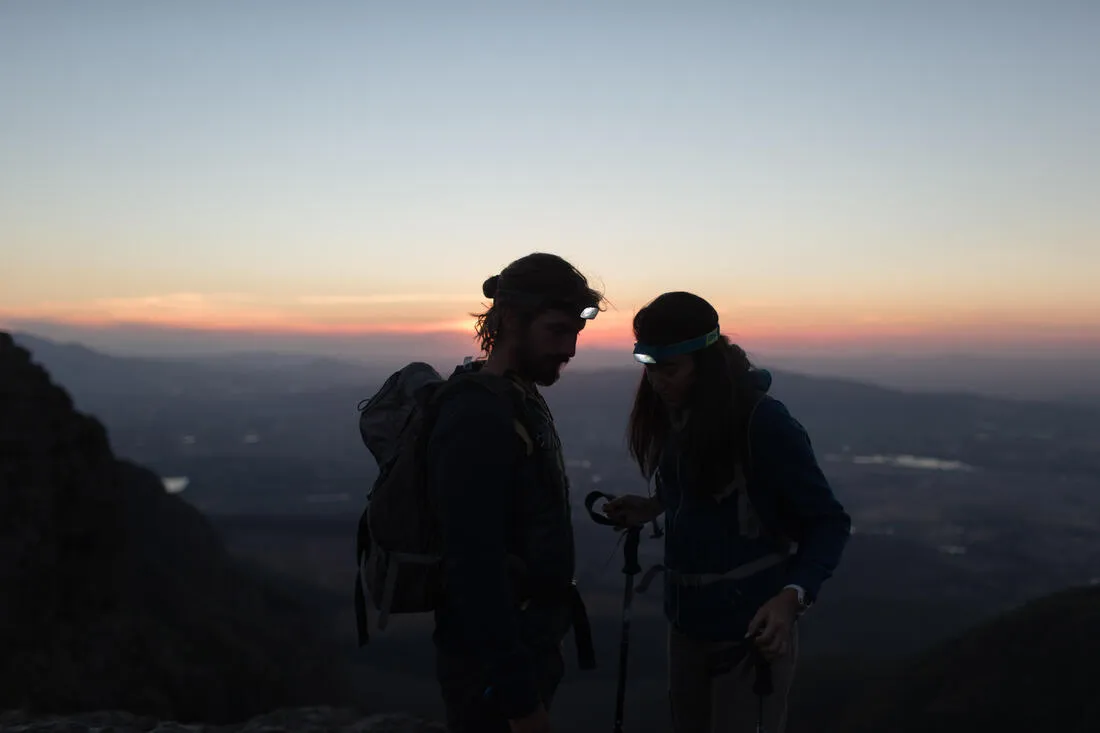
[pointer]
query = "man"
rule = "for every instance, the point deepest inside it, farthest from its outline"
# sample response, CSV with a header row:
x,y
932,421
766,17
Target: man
x,y
509,596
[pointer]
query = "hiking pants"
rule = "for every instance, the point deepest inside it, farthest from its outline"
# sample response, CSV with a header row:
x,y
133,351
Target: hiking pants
x,y
462,683
725,703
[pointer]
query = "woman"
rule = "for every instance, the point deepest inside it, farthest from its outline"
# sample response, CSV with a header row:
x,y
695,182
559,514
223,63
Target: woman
x,y
738,482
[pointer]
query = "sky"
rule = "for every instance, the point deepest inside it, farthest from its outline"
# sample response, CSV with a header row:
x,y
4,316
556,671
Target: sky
x,y
881,176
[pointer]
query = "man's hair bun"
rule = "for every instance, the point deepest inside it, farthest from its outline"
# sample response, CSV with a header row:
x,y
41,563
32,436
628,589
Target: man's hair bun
x,y
490,287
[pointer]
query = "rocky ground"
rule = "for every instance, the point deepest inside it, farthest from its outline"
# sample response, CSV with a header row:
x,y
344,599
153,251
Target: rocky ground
x,y
293,720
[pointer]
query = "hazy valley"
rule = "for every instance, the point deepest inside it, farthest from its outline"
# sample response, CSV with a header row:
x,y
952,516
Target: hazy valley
x,y
963,507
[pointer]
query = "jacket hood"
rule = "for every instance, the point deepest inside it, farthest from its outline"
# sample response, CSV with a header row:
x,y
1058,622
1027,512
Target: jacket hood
x,y
761,379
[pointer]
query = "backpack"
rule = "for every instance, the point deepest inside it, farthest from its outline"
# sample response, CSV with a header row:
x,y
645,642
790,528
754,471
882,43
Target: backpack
x,y
751,509
399,542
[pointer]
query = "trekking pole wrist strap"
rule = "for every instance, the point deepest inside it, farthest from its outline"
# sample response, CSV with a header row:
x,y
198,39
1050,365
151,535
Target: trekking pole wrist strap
x,y
633,534
590,503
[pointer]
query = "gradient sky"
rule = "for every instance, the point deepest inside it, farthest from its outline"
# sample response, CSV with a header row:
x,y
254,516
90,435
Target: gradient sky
x,y
871,173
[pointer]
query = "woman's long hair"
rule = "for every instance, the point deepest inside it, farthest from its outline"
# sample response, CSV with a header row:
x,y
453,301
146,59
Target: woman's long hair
x,y
719,402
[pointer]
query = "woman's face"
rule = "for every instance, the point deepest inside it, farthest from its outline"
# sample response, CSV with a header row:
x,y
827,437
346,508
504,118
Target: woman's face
x,y
672,378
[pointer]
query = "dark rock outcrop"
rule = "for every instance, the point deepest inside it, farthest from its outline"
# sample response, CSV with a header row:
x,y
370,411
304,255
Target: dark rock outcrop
x,y
117,595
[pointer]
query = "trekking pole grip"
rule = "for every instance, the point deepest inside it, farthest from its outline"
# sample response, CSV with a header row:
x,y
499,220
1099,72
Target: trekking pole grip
x,y
631,565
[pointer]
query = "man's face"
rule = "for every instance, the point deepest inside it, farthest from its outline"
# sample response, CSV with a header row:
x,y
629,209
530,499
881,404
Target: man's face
x,y
549,342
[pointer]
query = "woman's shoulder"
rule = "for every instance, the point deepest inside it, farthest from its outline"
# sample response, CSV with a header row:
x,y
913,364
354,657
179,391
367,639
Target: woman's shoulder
x,y
771,417
769,406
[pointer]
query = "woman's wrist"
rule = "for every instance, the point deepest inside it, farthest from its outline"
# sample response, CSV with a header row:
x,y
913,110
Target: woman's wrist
x,y
654,508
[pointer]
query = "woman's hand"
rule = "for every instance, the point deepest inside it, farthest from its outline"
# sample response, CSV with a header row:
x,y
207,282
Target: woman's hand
x,y
772,624
631,510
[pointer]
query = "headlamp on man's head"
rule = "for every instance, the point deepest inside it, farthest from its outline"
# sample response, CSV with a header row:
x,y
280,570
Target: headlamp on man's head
x,y
646,354
532,300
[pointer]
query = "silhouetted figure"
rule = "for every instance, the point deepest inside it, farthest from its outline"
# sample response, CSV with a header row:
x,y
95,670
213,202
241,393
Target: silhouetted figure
x,y
509,594
738,482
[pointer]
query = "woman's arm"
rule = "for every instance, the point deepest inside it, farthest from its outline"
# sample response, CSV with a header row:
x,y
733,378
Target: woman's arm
x,y
784,458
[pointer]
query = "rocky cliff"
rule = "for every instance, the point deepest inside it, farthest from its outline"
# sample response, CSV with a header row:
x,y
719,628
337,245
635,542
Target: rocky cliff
x,y
1031,669
115,595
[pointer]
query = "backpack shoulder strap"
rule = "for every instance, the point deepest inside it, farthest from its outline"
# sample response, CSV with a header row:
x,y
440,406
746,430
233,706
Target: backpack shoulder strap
x,y
773,524
517,396
521,431
759,398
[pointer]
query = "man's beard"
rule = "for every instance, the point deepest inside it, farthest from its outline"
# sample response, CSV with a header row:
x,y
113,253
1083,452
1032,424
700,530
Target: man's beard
x,y
543,370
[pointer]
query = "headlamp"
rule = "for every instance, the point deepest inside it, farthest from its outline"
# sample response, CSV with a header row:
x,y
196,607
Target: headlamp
x,y
646,354
532,300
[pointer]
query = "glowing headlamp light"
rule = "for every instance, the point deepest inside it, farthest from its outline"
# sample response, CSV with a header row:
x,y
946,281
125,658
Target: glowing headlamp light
x,y
645,354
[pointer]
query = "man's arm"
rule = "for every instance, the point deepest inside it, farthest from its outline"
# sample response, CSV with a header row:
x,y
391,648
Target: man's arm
x,y
785,455
473,456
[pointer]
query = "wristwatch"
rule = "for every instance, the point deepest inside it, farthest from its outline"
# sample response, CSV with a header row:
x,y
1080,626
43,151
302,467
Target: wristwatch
x,y
803,603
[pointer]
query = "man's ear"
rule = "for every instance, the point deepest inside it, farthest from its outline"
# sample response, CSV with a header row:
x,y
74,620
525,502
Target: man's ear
x,y
511,324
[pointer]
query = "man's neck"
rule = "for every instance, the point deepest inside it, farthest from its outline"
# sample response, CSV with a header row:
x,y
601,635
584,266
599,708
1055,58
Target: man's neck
x,y
501,362
498,362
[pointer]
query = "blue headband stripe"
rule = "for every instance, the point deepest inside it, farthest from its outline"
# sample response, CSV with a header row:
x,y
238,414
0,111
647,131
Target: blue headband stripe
x,y
652,354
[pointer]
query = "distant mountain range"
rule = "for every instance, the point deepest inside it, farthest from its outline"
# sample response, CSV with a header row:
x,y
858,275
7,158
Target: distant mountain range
x,y
88,371
1070,374
1040,375
844,416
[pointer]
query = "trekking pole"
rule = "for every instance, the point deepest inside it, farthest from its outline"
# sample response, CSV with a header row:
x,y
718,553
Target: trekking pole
x,y
762,685
630,569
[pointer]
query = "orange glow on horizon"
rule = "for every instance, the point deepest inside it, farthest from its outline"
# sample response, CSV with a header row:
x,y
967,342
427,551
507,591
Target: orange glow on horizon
x,y
613,330
753,324
271,326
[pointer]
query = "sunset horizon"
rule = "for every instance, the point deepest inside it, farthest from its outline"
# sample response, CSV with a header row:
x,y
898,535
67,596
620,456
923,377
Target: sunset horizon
x,y
350,173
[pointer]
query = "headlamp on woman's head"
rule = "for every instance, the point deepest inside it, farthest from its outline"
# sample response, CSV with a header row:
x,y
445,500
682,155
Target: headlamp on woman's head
x,y
647,354
543,302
